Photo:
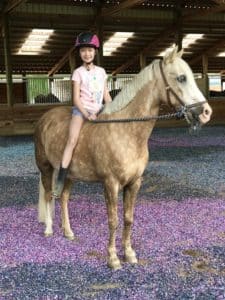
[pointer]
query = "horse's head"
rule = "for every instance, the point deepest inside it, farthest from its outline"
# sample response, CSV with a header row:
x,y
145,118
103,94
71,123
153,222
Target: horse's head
x,y
182,91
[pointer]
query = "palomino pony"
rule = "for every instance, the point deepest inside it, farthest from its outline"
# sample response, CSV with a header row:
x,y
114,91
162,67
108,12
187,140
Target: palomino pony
x,y
115,154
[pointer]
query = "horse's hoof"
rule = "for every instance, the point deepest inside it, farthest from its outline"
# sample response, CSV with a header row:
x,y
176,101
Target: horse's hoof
x,y
48,234
70,237
131,259
114,264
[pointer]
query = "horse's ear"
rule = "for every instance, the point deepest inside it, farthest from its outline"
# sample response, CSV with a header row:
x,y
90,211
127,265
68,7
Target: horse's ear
x,y
170,55
180,53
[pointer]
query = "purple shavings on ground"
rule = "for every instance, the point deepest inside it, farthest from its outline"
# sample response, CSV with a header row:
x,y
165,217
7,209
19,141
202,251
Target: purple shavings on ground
x,y
178,233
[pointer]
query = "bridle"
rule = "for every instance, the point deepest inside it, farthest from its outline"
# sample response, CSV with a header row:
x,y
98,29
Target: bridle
x,y
170,90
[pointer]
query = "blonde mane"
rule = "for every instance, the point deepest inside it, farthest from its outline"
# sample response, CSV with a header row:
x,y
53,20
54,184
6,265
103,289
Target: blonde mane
x,y
130,90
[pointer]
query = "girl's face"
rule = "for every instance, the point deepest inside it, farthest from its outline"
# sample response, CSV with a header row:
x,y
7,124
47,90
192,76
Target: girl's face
x,y
87,54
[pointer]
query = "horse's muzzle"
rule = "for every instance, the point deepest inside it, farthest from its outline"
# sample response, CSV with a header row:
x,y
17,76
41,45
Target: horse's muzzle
x,y
198,115
201,113
206,114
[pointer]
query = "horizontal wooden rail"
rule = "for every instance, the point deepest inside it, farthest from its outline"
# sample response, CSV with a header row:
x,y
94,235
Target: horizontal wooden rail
x,y
21,119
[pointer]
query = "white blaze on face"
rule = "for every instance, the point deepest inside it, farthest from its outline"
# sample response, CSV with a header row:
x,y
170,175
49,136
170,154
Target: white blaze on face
x,y
192,94
187,89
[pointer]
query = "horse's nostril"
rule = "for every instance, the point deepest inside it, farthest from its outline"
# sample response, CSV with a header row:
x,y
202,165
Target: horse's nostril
x,y
206,111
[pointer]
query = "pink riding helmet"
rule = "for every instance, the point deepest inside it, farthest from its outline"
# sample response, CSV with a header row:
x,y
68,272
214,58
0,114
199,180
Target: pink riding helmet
x,y
87,39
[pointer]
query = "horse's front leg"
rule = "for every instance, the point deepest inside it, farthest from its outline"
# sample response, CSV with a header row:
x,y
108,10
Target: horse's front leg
x,y
49,213
129,197
111,197
64,210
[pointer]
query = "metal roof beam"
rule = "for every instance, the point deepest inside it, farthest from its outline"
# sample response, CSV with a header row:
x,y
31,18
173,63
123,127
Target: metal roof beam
x,y
46,11
57,9
12,5
117,8
215,9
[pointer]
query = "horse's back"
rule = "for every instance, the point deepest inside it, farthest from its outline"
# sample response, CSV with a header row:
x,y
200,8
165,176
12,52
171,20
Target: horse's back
x,y
53,117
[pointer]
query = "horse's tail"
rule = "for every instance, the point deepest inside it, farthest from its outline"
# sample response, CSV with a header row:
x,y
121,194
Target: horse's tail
x,y
42,204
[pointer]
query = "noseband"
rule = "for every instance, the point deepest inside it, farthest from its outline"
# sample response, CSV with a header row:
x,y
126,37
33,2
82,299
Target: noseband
x,y
169,90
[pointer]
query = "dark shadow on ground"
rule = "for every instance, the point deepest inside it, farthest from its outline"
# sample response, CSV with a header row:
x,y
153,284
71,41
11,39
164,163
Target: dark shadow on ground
x,y
185,279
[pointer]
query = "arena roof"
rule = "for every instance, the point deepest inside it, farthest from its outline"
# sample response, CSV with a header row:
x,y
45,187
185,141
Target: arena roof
x,y
153,26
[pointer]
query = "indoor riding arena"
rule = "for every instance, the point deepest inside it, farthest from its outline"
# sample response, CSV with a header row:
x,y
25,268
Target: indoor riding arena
x,y
146,211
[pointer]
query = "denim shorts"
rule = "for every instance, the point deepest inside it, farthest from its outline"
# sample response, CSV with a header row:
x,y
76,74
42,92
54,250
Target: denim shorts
x,y
76,112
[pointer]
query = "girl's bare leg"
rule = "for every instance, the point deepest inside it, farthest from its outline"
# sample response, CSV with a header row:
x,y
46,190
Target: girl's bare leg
x,y
74,131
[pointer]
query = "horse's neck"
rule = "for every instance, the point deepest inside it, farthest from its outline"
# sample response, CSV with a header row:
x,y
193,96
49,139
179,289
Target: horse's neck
x,y
145,103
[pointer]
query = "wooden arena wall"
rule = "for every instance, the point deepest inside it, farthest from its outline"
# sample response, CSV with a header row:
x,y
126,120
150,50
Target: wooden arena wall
x,y
21,119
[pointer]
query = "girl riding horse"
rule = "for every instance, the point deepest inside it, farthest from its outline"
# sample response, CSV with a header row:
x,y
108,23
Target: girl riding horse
x,y
115,154
90,89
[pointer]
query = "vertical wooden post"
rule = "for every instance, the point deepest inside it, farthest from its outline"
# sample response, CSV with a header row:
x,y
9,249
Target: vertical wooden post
x,y
24,83
179,24
100,61
72,62
99,31
7,55
205,63
142,60
179,39
114,83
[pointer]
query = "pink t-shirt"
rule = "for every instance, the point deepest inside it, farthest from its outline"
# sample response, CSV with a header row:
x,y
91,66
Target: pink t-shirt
x,y
92,85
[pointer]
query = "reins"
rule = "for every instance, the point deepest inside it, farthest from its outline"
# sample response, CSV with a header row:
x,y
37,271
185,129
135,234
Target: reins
x,y
181,113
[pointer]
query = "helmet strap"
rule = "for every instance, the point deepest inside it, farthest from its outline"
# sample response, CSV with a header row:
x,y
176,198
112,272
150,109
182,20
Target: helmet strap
x,y
88,65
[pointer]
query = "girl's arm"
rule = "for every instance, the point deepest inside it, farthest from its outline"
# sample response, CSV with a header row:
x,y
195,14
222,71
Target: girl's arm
x,y
76,99
106,96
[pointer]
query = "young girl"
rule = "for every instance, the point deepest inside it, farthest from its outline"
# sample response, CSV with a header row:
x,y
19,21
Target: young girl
x,y
89,90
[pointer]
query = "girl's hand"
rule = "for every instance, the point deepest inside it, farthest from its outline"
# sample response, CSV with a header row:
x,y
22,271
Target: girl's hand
x,y
92,117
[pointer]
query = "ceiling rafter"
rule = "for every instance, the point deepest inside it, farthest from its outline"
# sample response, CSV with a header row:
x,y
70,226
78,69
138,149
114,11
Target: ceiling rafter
x,y
147,23
66,56
61,62
219,2
157,40
164,34
100,13
117,8
12,4
216,45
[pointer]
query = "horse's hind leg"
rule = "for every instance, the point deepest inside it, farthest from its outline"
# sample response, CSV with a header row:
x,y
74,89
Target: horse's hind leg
x,y
129,197
64,210
111,197
46,205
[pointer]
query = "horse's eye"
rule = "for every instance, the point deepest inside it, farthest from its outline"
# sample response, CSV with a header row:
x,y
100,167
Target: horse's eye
x,y
181,78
